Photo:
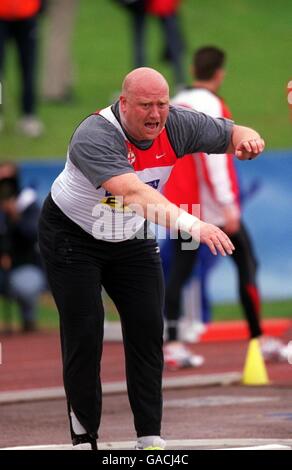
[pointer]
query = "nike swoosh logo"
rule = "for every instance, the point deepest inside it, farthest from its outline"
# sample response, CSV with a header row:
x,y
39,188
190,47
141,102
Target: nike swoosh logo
x,y
160,156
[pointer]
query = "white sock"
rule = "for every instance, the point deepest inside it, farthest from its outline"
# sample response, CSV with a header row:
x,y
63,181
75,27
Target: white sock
x,y
77,427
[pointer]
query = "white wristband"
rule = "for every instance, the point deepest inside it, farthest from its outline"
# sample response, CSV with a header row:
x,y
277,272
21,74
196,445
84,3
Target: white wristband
x,y
185,221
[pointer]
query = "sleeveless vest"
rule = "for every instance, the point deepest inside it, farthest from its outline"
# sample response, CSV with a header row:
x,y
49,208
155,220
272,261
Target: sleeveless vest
x,y
100,213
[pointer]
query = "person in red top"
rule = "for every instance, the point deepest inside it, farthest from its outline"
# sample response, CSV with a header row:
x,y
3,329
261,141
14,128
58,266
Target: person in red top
x,y
217,192
162,7
18,20
19,9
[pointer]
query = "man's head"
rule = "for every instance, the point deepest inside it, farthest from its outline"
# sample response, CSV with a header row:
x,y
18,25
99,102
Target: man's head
x,y
208,65
144,103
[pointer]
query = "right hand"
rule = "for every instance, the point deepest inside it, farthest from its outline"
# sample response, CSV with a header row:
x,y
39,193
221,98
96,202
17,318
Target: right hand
x,y
215,238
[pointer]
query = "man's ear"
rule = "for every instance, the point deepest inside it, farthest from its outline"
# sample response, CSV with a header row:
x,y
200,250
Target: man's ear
x,y
123,102
220,75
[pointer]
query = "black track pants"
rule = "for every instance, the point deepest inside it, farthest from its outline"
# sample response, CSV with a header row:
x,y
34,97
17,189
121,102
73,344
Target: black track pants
x,y
77,266
182,263
24,33
181,266
246,263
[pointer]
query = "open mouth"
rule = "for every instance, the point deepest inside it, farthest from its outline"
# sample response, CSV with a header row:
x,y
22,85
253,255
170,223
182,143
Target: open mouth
x,y
152,125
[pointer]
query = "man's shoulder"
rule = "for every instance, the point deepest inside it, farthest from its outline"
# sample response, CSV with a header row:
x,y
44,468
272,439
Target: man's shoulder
x,y
178,112
180,116
94,122
95,128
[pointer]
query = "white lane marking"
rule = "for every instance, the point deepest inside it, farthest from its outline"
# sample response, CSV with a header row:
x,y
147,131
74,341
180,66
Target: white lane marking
x,y
218,400
111,388
187,444
264,447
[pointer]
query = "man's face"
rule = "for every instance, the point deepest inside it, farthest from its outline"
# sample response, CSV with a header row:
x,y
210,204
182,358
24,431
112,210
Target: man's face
x,y
144,114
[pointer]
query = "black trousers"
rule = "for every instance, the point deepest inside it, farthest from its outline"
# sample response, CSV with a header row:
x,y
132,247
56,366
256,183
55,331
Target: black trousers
x,y
24,33
78,266
181,266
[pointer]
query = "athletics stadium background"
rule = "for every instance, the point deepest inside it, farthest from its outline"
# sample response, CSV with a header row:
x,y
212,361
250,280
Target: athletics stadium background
x,y
266,200
257,38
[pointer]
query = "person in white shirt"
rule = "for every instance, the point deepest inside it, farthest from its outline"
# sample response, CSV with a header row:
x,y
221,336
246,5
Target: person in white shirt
x,y
218,195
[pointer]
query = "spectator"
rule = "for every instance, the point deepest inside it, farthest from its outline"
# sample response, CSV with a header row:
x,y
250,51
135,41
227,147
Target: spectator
x,y
21,278
57,76
19,21
167,13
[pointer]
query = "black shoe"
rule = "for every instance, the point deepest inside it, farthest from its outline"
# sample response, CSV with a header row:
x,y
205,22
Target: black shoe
x,y
84,442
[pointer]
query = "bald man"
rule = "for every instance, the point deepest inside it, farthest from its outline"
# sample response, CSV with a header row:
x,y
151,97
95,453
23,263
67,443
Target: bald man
x,y
94,233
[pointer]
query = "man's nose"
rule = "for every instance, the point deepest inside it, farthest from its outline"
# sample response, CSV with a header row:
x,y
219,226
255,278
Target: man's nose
x,y
154,112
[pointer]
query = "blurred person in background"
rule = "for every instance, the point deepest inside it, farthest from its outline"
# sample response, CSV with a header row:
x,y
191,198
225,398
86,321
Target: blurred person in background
x,y
167,11
137,11
21,276
58,73
218,194
19,22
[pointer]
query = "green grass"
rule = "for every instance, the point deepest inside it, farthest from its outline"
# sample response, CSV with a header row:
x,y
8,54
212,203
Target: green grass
x,y
256,35
272,309
47,314
48,317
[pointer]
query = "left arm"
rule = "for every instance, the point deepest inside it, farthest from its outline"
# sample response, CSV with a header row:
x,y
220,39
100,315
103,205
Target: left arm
x,y
191,131
245,143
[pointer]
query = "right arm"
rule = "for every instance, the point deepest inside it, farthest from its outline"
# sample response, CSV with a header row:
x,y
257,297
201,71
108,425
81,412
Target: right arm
x,y
152,205
103,162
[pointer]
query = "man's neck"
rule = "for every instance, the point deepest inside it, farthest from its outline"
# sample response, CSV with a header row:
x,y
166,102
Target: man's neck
x,y
144,144
207,84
